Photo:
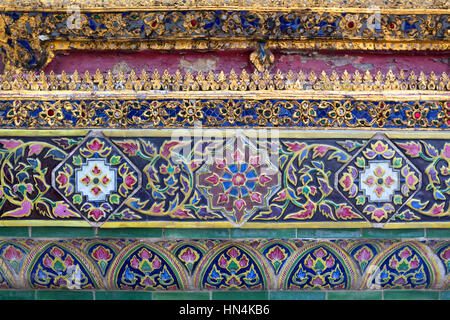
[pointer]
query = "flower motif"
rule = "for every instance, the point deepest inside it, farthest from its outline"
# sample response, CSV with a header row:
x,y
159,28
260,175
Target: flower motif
x,y
238,186
155,23
445,153
117,114
129,147
268,113
341,113
154,113
191,23
412,148
191,113
51,113
417,115
350,24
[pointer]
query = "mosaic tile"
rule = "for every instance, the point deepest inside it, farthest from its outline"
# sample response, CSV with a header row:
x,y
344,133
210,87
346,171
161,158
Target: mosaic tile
x,y
283,181
96,179
204,265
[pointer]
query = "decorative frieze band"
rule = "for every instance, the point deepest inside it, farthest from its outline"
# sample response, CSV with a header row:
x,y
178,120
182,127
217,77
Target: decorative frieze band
x,y
225,178
296,264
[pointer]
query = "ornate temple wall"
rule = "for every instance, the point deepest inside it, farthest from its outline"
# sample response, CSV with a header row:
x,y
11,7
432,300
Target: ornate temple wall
x,y
243,172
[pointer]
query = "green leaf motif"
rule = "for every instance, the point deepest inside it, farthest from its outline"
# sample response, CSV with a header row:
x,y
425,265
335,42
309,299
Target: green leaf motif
x,y
360,162
77,199
398,199
114,198
115,160
360,200
77,161
397,162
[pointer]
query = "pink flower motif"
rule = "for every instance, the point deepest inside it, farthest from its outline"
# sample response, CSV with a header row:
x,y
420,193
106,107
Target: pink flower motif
x,y
95,145
446,152
129,147
256,197
414,263
309,262
68,261
11,144
62,211
12,253
345,212
294,147
102,253
134,262
47,262
188,256
96,213
145,254
317,281
56,252
156,263
364,255
35,149
405,253
148,282
276,254
412,148
320,253
129,181
223,262
243,262
62,179
214,179
329,262
446,254
239,204
233,252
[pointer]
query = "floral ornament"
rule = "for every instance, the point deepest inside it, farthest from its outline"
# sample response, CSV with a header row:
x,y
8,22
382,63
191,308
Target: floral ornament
x,y
147,268
417,115
306,184
306,113
350,24
190,256
402,266
102,255
19,113
14,255
58,268
85,113
364,253
191,23
232,267
231,111
155,23
96,178
239,183
153,113
52,114
24,180
340,113
318,267
190,113
168,178
436,172
378,180
277,254
115,23
268,113
118,114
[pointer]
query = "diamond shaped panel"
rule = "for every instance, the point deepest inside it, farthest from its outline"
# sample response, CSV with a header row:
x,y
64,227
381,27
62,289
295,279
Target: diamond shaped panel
x,y
378,180
96,178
